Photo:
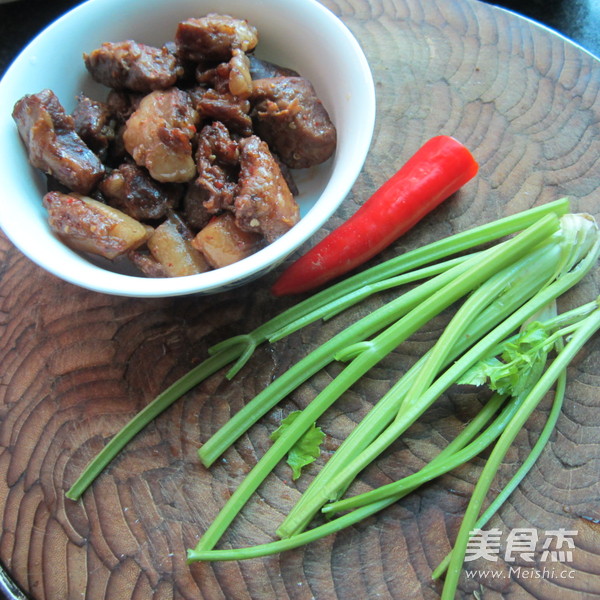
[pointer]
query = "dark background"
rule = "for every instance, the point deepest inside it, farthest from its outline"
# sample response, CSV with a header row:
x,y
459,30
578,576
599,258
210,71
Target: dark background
x,y
578,20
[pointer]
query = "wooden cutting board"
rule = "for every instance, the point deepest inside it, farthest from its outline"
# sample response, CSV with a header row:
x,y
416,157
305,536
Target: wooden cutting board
x,y
76,365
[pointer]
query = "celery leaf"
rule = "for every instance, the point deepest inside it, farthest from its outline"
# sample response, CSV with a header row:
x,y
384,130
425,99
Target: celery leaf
x,y
519,358
306,449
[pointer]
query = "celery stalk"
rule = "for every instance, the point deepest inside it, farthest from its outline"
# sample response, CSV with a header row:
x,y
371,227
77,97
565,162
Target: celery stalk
x,y
522,471
318,359
412,408
583,333
591,324
523,281
337,475
240,348
498,258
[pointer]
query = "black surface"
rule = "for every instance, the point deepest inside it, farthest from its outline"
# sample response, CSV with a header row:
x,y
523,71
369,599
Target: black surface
x,y
578,20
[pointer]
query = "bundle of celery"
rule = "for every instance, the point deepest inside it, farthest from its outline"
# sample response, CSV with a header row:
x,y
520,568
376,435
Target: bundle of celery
x,y
502,288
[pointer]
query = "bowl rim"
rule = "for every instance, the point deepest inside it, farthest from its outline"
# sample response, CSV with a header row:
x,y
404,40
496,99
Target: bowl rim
x,y
98,279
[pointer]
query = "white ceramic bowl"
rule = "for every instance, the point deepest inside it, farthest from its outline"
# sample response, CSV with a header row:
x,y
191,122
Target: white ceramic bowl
x,y
301,34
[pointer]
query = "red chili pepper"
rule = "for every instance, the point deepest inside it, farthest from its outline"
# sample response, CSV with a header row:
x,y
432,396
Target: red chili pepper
x,y
437,170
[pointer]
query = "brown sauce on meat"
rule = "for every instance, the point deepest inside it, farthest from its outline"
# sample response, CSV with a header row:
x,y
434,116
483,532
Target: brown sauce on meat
x,y
185,165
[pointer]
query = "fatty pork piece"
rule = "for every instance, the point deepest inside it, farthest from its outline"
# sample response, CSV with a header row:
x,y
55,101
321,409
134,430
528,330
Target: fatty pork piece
x,y
158,135
231,77
170,246
131,66
95,124
131,189
53,144
217,160
87,225
214,37
264,203
289,116
223,243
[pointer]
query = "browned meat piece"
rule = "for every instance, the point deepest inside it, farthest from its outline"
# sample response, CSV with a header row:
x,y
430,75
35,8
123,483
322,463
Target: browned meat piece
x,y
288,115
52,143
264,203
232,77
131,66
131,189
217,161
214,37
170,245
194,210
223,243
228,109
90,226
147,264
217,139
123,104
95,124
287,175
159,135
261,69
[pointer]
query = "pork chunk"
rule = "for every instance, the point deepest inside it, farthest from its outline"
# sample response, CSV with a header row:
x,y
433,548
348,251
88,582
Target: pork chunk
x,y
123,104
158,135
170,245
231,110
194,211
53,144
88,225
232,77
217,161
95,124
264,203
223,243
131,189
214,37
289,116
131,66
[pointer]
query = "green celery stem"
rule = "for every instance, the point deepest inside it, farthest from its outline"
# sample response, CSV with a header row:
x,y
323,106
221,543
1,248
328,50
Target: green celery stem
x,y
451,245
147,415
588,327
522,471
384,343
345,475
316,360
526,280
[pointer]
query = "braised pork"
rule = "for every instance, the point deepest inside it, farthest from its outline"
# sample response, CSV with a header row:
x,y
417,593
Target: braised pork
x,y
289,116
264,203
90,226
131,66
131,189
158,135
53,144
214,37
